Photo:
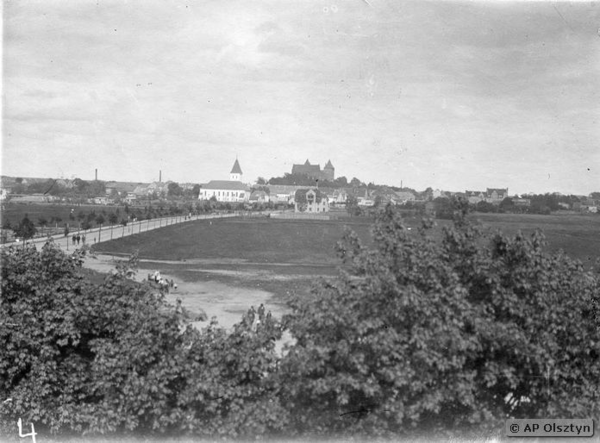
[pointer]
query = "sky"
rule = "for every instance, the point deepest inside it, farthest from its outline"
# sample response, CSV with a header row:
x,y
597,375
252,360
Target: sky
x,y
444,94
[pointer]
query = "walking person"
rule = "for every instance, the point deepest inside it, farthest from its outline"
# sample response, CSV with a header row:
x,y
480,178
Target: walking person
x,y
78,239
74,239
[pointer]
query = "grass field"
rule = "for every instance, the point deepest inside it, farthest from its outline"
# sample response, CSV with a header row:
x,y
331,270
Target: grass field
x,y
276,256
577,235
281,257
255,240
307,247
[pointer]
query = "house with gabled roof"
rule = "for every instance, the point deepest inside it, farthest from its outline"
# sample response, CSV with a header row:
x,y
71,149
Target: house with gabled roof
x,y
475,197
310,200
232,190
161,188
120,188
340,196
495,195
140,191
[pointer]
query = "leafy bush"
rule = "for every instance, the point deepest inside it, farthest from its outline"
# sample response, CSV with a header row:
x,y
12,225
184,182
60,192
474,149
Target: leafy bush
x,y
78,356
115,357
419,335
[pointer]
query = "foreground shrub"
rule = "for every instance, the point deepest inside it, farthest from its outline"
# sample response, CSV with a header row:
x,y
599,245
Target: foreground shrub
x,y
420,335
85,358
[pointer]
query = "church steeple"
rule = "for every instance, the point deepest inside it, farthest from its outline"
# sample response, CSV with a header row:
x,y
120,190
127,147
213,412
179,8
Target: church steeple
x,y
236,172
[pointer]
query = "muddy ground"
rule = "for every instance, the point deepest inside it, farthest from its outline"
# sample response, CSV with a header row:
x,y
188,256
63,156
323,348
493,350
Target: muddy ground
x,y
224,289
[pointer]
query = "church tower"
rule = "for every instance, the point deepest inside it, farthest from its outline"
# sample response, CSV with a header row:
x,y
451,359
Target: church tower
x,y
329,171
236,172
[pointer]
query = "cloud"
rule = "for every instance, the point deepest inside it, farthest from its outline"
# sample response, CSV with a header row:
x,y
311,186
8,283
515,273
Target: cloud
x,y
449,85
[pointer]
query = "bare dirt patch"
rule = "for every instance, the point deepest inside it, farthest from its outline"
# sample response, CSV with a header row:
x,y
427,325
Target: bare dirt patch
x,y
225,302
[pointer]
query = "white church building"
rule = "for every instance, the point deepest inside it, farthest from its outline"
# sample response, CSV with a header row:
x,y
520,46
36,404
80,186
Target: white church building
x,y
232,190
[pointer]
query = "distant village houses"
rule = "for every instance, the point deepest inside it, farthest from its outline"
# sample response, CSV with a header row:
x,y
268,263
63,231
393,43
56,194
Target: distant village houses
x,y
120,189
283,193
491,195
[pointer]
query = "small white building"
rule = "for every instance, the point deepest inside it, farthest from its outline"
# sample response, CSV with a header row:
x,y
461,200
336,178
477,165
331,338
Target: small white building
x,y
232,190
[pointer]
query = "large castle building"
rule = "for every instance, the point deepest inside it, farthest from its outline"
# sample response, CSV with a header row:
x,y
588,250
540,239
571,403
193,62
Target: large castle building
x,y
314,171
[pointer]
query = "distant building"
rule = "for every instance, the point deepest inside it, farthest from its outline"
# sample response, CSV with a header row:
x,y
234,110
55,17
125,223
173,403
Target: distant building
x,y
310,200
283,193
340,197
232,190
475,197
495,195
120,188
314,171
130,198
259,197
161,188
236,172
405,196
101,200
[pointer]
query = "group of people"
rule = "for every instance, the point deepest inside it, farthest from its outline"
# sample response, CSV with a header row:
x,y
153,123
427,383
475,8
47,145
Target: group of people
x,y
76,239
255,319
163,282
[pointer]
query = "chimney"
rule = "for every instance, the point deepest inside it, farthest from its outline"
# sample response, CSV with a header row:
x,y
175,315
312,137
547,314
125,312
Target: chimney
x,y
160,176
96,175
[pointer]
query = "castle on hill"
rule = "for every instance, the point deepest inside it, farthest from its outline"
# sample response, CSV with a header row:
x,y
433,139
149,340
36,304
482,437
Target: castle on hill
x,y
314,171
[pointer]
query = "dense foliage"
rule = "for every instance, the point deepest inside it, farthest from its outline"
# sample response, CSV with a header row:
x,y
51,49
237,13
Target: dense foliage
x,y
116,357
417,334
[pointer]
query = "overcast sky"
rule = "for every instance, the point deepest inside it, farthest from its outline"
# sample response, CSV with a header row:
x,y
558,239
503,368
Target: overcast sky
x,y
452,95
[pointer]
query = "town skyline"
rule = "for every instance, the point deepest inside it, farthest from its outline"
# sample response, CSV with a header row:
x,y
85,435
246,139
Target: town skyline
x,y
448,95
160,179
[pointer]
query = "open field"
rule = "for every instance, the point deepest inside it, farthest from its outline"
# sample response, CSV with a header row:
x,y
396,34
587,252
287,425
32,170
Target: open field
x,y
257,240
227,265
265,242
578,235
